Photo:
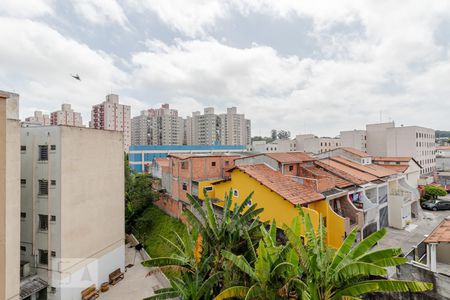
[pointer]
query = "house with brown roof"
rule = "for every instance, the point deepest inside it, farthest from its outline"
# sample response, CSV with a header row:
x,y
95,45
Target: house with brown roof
x,y
406,165
438,247
279,195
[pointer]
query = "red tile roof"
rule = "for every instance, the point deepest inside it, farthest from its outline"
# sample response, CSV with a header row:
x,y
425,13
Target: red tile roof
x,y
398,168
339,182
348,173
372,169
189,155
392,158
290,157
443,148
355,151
441,234
284,186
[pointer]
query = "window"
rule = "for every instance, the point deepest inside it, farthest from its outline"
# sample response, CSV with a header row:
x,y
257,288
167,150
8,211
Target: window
x,y
53,182
184,165
23,148
235,193
213,164
43,257
208,188
23,215
184,186
43,187
291,168
43,152
53,147
53,218
23,181
23,248
227,163
43,222
53,253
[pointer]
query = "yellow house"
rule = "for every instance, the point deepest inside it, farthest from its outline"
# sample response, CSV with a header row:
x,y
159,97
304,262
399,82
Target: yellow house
x,y
278,195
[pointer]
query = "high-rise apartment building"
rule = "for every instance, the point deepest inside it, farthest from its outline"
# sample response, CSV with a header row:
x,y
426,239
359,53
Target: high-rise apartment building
x,y
386,140
235,128
66,116
38,118
161,126
9,196
209,128
356,139
111,115
71,210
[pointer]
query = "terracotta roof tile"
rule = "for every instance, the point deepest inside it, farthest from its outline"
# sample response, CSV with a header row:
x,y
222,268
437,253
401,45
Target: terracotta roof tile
x,y
441,234
392,158
398,168
355,151
290,157
287,188
443,148
346,172
372,169
339,182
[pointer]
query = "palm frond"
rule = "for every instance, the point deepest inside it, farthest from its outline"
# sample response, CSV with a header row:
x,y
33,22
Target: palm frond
x,y
367,243
233,292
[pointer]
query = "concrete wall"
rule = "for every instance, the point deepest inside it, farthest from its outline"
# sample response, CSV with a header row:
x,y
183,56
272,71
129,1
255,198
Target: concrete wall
x,y
355,139
443,253
92,193
9,197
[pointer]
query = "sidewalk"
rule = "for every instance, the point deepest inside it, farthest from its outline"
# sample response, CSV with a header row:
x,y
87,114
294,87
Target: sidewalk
x,y
135,285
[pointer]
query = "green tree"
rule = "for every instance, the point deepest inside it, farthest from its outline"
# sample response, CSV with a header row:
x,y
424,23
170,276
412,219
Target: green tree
x,y
271,271
349,272
433,191
283,134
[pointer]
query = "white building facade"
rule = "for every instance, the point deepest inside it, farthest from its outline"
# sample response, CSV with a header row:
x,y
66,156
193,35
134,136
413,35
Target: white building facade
x,y
38,118
312,144
111,115
72,214
355,139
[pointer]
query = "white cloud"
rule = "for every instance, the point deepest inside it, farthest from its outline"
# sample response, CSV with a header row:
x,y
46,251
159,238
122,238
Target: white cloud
x,y
26,8
37,62
101,11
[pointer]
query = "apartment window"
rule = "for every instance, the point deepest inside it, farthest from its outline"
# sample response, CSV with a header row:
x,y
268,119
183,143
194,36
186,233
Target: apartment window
x,y
43,152
43,187
184,186
53,147
213,164
23,181
43,257
23,215
23,248
53,218
43,222
53,253
23,148
53,182
291,168
235,193
208,188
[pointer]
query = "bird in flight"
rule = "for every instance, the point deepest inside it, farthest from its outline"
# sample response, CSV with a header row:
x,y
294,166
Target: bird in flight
x,y
76,76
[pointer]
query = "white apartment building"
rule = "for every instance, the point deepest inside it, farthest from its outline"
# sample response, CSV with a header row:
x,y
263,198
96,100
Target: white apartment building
x,y
9,196
71,210
285,145
234,128
161,126
38,118
356,139
384,139
312,144
111,115
229,129
66,116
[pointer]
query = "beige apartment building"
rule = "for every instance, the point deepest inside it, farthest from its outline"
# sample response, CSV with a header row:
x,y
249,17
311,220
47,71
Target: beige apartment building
x,y
38,118
312,144
66,116
356,139
9,196
210,128
71,210
161,126
111,115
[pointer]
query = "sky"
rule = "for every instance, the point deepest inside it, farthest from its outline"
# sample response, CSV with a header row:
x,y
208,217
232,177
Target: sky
x,y
305,66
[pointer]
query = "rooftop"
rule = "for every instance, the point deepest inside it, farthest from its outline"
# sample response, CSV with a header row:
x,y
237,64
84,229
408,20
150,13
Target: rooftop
x,y
397,168
441,234
162,161
287,188
372,169
355,151
202,155
290,157
339,182
392,158
349,173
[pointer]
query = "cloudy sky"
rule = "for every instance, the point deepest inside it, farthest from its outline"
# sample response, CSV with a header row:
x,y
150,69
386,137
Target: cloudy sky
x,y
306,66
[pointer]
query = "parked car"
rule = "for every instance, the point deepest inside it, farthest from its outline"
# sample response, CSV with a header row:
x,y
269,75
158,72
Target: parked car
x,y
436,204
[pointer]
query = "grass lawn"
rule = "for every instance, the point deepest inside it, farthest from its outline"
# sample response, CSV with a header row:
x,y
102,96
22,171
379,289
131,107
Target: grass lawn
x,y
154,224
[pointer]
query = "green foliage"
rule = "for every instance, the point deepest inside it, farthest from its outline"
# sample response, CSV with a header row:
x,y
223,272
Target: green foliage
x,y
433,191
138,195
